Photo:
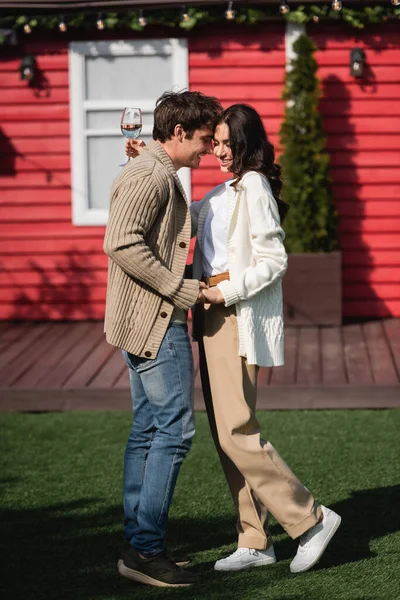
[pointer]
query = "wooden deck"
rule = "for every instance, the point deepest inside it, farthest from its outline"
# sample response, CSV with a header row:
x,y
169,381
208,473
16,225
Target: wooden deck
x,y
69,366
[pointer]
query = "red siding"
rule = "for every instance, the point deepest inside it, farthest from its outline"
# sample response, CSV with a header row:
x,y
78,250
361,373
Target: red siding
x,y
49,268
362,121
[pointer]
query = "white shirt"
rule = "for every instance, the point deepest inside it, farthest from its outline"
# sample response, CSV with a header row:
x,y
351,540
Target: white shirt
x,y
215,234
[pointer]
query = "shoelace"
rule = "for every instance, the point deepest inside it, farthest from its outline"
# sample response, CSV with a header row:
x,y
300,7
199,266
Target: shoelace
x,y
240,551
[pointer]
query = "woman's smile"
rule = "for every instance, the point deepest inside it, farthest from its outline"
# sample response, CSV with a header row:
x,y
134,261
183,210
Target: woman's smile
x,y
222,147
225,162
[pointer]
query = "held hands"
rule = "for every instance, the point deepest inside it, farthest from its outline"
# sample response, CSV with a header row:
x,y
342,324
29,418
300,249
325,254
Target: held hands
x,y
209,296
134,147
213,296
200,296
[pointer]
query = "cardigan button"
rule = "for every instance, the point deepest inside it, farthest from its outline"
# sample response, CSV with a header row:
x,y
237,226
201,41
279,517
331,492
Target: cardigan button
x,y
182,245
164,315
147,354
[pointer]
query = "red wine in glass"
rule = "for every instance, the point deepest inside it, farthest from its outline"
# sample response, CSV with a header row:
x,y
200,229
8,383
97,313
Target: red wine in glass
x,y
131,124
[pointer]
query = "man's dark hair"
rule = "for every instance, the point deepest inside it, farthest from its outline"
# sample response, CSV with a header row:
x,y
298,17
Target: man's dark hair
x,y
192,110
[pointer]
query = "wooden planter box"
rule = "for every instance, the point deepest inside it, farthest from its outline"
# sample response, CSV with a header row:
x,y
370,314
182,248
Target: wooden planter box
x,y
312,289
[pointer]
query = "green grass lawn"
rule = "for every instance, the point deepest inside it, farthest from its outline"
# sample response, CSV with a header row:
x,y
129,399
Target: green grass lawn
x,y
61,515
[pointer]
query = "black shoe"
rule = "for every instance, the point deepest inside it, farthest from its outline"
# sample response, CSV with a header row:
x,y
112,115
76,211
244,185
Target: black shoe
x,y
158,570
179,558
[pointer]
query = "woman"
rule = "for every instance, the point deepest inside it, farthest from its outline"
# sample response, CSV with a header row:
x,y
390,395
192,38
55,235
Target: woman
x,y
240,254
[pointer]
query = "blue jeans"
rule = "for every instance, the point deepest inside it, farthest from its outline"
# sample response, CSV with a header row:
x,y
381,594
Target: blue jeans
x,y
163,428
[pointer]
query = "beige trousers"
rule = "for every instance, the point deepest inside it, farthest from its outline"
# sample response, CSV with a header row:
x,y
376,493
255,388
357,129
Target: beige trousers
x,y
258,478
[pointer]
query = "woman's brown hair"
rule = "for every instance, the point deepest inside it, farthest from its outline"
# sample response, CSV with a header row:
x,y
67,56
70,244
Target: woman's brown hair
x,y
251,150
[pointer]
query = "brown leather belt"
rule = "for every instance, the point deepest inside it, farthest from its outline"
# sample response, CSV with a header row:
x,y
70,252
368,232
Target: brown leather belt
x,y
216,279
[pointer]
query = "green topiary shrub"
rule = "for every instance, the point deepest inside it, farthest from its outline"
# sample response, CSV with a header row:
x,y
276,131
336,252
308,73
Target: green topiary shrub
x,y
311,223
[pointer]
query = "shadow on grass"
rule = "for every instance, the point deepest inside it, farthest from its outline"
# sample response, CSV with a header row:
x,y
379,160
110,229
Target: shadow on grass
x,y
69,551
366,515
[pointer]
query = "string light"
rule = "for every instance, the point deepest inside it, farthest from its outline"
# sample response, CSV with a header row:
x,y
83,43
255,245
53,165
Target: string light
x,y
100,22
230,14
27,27
185,15
284,7
142,19
62,26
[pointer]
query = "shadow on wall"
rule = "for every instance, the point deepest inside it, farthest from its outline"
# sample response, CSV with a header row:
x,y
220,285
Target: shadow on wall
x,y
8,155
71,286
40,84
357,261
246,38
380,37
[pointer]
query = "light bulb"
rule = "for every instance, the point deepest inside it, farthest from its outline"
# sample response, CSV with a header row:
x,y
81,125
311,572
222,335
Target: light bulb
x,y
100,22
315,18
62,26
337,5
28,73
396,2
27,28
230,14
184,15
142,19
284,7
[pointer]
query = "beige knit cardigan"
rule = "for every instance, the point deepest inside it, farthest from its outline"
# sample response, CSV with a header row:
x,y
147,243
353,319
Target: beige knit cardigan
x,y
147,240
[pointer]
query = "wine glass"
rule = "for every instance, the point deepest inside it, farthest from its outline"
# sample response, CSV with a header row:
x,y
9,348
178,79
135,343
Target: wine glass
x,y
131,124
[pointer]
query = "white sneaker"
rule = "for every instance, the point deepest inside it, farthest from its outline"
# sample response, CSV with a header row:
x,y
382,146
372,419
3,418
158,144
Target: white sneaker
x,y
314,541
245,558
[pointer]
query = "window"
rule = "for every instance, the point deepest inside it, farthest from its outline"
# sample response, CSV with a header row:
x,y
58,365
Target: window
x,y
104,78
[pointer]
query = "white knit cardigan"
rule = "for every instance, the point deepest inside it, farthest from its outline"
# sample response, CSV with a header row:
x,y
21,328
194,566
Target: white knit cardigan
x,y
257,261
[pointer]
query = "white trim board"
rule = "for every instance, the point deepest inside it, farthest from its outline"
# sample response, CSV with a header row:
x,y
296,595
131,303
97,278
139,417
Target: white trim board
x,y
292,32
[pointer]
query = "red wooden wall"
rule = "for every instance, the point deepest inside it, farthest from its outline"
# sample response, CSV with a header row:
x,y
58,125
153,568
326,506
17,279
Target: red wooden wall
x,y
362,122
52,269
49,269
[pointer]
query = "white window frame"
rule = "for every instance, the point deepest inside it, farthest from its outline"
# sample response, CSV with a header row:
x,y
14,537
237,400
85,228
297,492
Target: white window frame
x,y
81,213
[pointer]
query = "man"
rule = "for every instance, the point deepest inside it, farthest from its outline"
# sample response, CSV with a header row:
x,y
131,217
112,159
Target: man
x,y
147,241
